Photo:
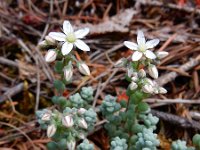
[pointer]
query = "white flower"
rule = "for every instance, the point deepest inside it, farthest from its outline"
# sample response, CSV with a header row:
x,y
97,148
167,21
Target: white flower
x,y
51,130
84,69
142,47
67,121
70,38
153,71
50,56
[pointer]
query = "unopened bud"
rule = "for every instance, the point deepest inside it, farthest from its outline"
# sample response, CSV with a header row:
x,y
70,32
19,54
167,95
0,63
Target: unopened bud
x,y
129,71
46,117
50,56
142,73
42,44
162,54
147,88
133,86
50,40
149,81
81,136
134,77
121,62
51,130
68,72
155,91
153,71
82,123
162,90
81,111
84,69
71,145
67,121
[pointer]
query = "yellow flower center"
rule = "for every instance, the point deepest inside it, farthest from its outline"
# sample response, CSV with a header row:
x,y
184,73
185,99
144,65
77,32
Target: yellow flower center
x,y
71,38
142,48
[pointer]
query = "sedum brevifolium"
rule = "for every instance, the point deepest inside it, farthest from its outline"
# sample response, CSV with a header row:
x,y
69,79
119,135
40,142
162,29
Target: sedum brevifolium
x,y
130,124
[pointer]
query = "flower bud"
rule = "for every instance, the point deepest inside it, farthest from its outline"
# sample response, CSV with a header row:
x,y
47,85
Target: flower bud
x,y
84,69
121,62
162,54
82,123
42,44
46,117
50,56
50,40
162,90
81,111
133,85
81,136
71,145
153,71
67,121
142,73
155,91
149,81
134,77
51,130
147,88
68,72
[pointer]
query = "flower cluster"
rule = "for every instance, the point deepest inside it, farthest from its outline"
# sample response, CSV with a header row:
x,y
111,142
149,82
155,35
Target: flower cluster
x,y
60,47
143,59
139,79
134,122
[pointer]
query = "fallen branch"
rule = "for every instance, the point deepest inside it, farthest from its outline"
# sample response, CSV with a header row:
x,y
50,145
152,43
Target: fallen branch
x,y
11,92
176,120
172,101
164,79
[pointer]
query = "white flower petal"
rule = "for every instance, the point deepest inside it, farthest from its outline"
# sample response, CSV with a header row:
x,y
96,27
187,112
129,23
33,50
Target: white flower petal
x,y
136,56
149,54
82,33
140,38
81,45
131,45
67,27
58,36
152,43
66,48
